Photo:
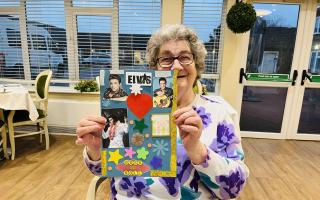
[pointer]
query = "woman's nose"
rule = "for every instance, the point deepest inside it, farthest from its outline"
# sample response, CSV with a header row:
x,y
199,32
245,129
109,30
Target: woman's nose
x,y
176,65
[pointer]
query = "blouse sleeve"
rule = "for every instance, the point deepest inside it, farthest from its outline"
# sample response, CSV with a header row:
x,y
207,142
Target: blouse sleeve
x,y
93,166
105,134
223,173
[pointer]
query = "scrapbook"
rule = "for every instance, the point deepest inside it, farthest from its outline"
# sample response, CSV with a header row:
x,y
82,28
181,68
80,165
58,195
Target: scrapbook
x,y
140,135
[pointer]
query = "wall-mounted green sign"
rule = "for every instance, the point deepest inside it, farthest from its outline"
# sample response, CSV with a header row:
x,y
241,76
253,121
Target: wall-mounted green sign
x,y
268,77
315,78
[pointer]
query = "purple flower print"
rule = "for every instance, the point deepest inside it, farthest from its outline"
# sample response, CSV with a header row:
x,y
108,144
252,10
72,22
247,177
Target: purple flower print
x,y
232,184
205,117
113,189
171,184
184,166
205,164
183,172
135,186
207,99
94,168
226,141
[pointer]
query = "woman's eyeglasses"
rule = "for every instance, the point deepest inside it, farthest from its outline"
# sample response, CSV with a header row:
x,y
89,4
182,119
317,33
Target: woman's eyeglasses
x,y
184,59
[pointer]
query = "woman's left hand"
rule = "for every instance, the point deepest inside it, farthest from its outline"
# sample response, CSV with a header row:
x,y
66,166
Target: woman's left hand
x,y
190,129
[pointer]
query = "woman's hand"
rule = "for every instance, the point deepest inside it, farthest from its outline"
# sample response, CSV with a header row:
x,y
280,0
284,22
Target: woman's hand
x,y
190,129
89,133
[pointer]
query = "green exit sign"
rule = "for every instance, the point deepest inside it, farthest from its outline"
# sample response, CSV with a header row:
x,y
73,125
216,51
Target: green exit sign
x,y
315,78
268,77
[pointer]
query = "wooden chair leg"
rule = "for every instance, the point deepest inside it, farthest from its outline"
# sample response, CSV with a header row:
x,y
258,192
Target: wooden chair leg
x,y
11,138
4,144
46,133
38,129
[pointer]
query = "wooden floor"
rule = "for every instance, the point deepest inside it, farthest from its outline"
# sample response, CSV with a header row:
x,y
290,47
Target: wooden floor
x,y
279,169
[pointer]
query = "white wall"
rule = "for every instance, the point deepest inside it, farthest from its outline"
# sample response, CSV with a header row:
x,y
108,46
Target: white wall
x,y
67,112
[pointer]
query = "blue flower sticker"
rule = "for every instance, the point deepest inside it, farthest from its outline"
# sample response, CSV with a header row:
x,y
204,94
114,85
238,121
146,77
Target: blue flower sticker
x,y
160,147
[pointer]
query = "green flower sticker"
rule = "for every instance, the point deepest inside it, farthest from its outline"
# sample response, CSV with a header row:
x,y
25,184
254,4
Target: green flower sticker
x,y
142,153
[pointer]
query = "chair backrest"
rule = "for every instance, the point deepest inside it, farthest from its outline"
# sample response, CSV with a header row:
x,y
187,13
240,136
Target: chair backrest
x,y
1,124
42,84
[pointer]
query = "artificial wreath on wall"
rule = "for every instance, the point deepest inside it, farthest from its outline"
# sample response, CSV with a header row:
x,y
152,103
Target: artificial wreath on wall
x,y
241,17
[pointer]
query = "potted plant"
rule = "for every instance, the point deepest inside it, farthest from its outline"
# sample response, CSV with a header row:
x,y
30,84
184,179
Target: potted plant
x,y
87,86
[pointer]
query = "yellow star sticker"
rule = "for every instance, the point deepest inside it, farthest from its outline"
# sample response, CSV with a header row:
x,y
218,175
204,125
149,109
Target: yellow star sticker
x,y
115,156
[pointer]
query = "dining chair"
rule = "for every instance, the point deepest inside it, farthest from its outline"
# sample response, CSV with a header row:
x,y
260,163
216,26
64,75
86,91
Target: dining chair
x,y
21,117
93,187
4,138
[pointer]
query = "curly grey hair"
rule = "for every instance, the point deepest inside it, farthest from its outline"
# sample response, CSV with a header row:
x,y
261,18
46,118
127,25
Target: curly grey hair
x,y
176,32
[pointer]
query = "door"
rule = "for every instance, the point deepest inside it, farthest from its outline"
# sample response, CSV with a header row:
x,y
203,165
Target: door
x,y
274,104
306,111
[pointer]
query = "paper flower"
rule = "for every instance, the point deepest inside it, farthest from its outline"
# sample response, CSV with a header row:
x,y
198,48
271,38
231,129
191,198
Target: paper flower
x,y
142,153
137,139
136,89
160,147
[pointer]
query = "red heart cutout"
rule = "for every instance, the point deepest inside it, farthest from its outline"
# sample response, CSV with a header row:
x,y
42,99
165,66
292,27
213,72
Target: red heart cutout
x,y
139,104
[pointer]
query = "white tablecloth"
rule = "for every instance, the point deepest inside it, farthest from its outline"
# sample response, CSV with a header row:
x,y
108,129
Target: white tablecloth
x,y
16,97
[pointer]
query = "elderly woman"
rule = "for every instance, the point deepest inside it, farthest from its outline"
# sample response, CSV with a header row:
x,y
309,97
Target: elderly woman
x,y
209,153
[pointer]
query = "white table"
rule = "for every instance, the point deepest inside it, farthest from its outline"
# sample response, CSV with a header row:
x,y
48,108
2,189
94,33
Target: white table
x,y
15,97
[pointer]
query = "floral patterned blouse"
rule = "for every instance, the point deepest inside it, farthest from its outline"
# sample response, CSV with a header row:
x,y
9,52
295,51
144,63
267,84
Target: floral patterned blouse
x,y
221,176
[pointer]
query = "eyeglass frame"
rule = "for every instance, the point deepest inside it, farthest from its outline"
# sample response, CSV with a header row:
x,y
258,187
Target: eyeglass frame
x,y
176,58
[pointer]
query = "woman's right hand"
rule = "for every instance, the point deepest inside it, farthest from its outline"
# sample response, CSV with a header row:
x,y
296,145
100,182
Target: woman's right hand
x,y
89,133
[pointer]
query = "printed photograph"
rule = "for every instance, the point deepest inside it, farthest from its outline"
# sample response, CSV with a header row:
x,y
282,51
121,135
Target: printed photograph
x,y
115,134
115,91
162,93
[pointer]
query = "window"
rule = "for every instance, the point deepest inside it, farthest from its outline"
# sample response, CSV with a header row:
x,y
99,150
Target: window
x,y
94,45
133,37
10,48
317,26
75,38
45,25
205,17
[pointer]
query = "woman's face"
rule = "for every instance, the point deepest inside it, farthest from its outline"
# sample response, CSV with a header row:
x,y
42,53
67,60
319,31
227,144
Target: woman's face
x,y
114,85
187,73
